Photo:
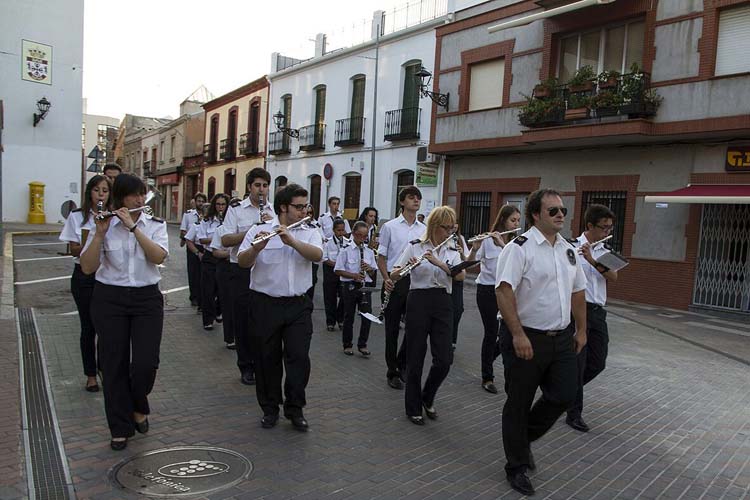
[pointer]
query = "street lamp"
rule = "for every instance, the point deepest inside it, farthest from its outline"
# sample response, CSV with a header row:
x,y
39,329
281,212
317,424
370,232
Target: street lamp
x,y
43,106
279,119
424,78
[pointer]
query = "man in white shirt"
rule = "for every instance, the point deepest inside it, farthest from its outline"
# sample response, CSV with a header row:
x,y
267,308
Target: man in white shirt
x,y
280,310
394,237
326,220
592,359
333,298
189,218
539,280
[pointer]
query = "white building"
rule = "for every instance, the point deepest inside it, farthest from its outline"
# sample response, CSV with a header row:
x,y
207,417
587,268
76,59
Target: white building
x,y
40,57
329,99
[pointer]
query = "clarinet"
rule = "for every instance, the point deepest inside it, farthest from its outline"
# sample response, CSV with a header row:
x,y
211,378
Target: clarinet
x,y
362,271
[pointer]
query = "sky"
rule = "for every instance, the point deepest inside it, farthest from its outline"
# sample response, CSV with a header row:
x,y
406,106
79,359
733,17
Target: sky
x,y
144,57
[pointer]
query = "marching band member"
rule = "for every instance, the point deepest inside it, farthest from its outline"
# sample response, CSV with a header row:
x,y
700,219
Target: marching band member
x,y
539,281
280,310
310,212
326,220
486,251
370,216
457,288
127,307
429,311
212,306
78,227
189,218
223,281
241,217
356,266
332,295
394,237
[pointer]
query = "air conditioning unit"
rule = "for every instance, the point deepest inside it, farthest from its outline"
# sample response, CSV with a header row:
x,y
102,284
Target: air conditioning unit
x,y
425,158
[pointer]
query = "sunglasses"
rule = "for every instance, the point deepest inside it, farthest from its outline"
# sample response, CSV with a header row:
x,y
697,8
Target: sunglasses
x,y
553,211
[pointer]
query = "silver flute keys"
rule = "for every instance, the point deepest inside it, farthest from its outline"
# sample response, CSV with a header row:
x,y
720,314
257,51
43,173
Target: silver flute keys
x,y
275,232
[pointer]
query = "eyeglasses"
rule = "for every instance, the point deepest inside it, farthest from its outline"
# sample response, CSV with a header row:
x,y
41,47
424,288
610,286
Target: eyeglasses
x,y
553,211
607,229
299,206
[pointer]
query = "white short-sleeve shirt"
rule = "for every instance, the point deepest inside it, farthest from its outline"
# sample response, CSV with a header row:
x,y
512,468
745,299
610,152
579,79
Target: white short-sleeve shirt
x,y
192,233
207,228
73,229
189,217
596,287
349,260
216,240
395,235
543,278
326,223
332,247
426,275
240,218
487,256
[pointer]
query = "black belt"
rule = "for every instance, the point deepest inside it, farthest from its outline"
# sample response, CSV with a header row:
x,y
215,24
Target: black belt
x,y
593,307
548,333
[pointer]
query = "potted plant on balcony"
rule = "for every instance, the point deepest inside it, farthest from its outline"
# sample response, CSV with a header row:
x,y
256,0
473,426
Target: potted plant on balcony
x,y
646,105
606,103
583,80
578,107
608,79
541,112
546,88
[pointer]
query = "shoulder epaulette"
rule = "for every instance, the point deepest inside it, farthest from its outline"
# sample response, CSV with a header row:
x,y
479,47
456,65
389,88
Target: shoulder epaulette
x,y
197,223
157,219
607,246
520,240
572,241
414,242
76,210
235,203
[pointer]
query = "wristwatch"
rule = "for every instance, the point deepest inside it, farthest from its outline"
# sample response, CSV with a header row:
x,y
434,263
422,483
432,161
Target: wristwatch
x,y
132,229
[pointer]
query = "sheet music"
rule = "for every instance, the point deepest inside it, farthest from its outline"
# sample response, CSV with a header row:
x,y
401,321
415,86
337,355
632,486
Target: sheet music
x,y
613,261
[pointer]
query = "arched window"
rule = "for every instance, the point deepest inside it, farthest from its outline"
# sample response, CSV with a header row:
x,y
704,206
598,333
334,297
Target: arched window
x,y
211,191
315,194
230,179
403,179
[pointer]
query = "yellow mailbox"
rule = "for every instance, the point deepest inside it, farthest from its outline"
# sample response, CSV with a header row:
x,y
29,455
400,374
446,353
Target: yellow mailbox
x,y
36,203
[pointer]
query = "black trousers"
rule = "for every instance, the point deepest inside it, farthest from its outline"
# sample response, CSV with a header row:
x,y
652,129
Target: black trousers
x,y
332,297
593,357
311,290
396,308
457,299
224,283
210,302
553,369
353,300
129,323
487,304
281,333
194,277
82,288
429,313
240,305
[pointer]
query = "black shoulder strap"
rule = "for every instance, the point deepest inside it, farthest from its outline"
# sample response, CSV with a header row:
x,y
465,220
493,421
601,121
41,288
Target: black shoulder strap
x,y
520,240
159,220
235,203
414,242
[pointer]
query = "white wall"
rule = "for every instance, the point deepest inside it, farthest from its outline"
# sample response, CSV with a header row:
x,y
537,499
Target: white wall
x,y
51,151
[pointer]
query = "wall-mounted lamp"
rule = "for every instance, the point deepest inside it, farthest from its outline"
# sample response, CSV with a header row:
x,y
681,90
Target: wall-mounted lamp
x,y
280,120
43,106
424,78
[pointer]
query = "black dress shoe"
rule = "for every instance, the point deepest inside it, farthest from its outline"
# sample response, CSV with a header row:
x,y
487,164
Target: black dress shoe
x,y
532,463
489,386
92,388
416,419
577,423
430,412
118,445
269,421
248,378
299,423
520,482
395,382
142,427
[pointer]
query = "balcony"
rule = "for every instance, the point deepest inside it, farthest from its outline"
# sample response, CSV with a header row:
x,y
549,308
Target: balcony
x,y
402,124
249,144
227,150
312,137
278,143
350,132
209,153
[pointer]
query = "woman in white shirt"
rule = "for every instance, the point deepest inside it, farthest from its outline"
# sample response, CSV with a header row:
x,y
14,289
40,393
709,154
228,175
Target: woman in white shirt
x,y
487,251
210,304
127,307
78,226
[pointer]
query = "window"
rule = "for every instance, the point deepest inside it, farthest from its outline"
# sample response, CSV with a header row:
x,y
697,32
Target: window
x,y
358,97
403,179
253,128
320,104
161,152
145,156
211,187
486,84
172,141
733,43
612,48
616,201
475,213
229,181
286,108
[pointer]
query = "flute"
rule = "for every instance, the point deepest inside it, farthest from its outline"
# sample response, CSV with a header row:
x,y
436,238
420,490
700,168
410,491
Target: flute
x,y
275,232
484,236
409,267
106,215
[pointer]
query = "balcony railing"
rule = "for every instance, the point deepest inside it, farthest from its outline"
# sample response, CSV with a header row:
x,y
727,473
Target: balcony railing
x,y
249,143
312,137
402,124
227,150
350,132
278,143
209,153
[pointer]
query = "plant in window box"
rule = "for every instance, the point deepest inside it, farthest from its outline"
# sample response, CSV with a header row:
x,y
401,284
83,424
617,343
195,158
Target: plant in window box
x,y
578,107
608,79
606,103
546,88
647,104
633,85
539,112
583,80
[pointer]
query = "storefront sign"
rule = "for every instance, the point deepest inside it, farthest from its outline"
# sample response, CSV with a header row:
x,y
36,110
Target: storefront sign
x,y
738,159
168,180
427,175
36,62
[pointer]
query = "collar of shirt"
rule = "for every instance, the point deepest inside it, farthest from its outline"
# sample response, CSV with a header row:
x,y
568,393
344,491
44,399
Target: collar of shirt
x,y
539,238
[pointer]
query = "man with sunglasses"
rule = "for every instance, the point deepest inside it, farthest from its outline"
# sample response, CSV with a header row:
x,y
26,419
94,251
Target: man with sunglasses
x,y
539,280
592,359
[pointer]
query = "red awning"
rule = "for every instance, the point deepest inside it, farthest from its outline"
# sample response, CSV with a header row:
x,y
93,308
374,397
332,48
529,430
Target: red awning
x,y
703,193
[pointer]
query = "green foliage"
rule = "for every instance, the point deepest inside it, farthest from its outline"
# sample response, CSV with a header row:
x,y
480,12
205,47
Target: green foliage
x,y
583,75
540,110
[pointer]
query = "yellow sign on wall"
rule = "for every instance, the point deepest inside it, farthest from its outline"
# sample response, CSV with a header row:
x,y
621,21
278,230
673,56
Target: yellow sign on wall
x,y
36,62
738,159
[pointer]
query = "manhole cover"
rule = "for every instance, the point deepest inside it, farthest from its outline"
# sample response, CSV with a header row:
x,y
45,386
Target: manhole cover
x,y
181,471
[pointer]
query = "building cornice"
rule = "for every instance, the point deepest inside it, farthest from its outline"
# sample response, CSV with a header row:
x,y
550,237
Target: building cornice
x,y
252,87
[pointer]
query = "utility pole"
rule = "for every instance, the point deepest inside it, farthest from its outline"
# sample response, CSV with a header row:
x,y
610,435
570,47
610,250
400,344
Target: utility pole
x,y
378,27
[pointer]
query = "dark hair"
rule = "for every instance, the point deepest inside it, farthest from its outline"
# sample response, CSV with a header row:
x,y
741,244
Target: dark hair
x,y
90,185
358,224
596,212
407,191
112,166
363,215
505,213
125,185
333,198
534,203
258,173
285,195
338,221
212,212
200,195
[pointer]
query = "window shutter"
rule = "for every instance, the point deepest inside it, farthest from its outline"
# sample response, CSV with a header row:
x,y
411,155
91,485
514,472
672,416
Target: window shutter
x,y
486,87
358,98
734,41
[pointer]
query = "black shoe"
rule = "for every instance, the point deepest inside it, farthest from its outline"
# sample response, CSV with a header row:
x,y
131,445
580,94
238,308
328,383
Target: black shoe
x,y
193,302
532,463
118,445
329,328
299,423
416,419
430,412
208,327
219,318
92,388
269,421
231,345
248,378
142,427
395,382
520,482
489,386
577,423
402,374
